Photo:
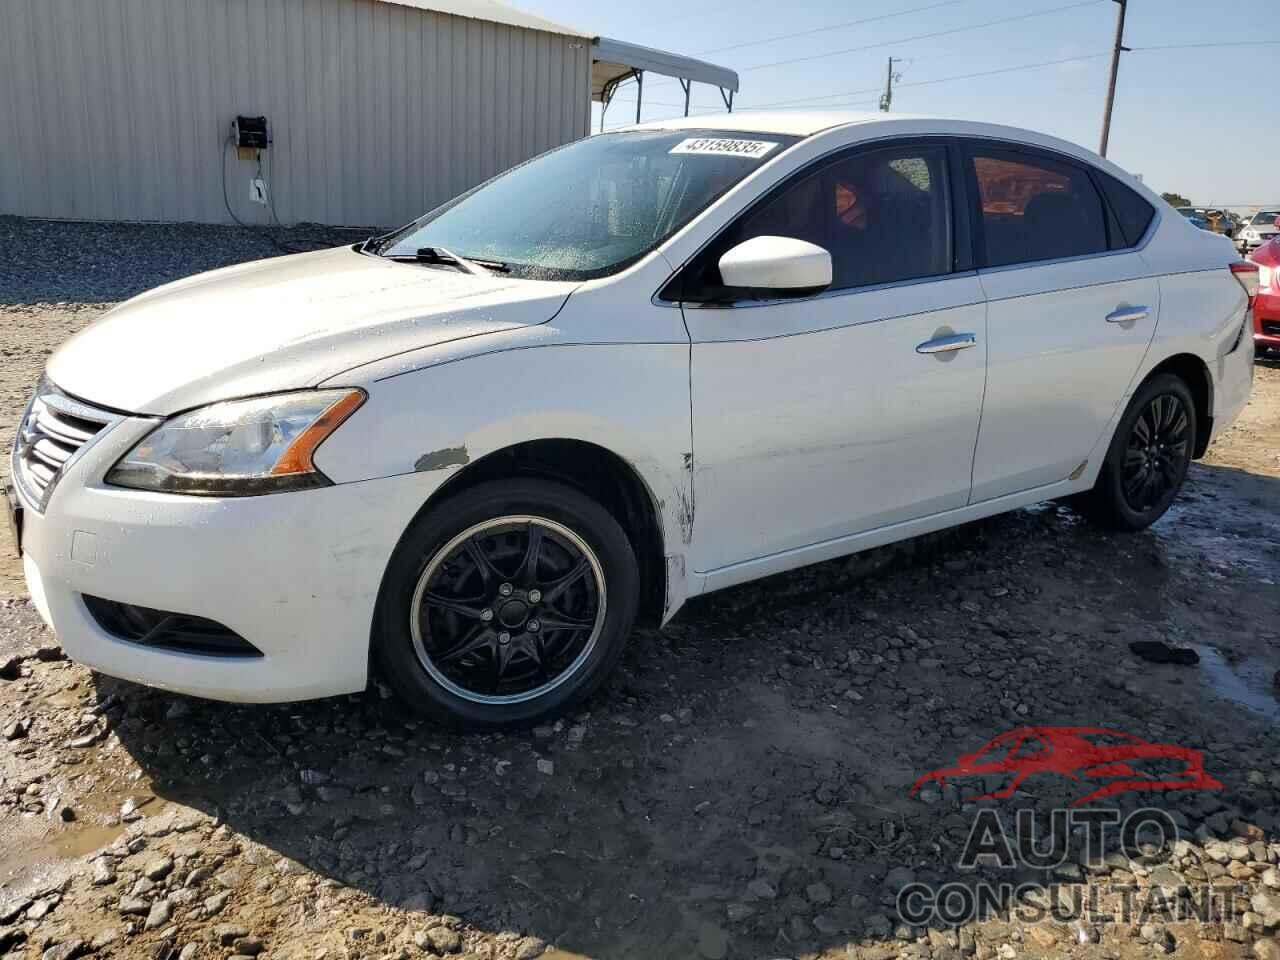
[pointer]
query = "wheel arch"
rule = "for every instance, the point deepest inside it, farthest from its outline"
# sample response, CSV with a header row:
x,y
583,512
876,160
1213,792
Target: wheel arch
x,y
596,471
1195,374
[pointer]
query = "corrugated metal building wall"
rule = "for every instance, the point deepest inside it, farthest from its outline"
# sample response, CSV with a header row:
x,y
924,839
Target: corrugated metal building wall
x,y
121,109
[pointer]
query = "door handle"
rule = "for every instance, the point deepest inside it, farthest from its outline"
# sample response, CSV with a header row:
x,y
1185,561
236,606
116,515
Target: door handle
x,y
956,341
1127,314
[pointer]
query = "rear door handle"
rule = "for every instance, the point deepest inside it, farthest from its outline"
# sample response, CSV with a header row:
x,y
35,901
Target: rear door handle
x,y
1127,314
957,341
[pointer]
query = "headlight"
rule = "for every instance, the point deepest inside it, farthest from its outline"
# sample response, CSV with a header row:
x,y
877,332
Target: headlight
x,y
1267,276
240,447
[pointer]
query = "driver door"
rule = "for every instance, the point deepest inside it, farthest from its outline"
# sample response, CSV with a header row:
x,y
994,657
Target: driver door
x,y
821,418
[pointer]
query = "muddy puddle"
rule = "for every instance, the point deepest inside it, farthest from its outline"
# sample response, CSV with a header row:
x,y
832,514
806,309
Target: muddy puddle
x,y
40,853
1249,683
43,849
1225,539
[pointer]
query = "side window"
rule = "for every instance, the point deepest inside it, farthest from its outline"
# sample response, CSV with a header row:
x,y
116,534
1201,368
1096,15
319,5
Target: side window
x,y
1034,208
891,217
1133,214
883,215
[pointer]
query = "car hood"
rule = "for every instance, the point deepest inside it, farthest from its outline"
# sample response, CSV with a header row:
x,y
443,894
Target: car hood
x,y
283,324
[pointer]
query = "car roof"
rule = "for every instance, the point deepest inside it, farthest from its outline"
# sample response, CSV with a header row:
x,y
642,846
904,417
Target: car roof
x,y
804,123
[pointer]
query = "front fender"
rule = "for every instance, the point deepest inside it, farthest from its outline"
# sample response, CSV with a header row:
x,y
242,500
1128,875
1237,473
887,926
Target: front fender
x,y
629,398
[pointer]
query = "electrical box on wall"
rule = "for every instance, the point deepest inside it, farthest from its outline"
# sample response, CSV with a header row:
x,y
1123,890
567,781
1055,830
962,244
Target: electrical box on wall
x,y
251,133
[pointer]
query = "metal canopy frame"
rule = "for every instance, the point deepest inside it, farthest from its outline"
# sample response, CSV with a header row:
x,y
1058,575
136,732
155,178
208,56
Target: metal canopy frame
x,y
614,63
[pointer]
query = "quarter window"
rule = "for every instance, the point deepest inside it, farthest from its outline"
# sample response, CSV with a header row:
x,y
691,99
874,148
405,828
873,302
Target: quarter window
x,y
1034,208
1133,214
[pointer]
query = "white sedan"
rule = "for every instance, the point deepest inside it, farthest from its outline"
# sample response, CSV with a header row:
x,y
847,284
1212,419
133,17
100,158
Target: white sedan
x,y
645,366
1259,229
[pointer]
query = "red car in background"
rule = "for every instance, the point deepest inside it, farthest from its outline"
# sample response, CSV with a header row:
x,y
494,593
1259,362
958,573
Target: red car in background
x,y
1266,306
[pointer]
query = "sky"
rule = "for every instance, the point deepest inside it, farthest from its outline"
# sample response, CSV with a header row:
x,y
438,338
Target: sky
x,y
1196,121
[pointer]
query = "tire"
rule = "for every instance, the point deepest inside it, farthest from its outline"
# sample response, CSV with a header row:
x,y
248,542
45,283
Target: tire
x,y
463,630
1148,458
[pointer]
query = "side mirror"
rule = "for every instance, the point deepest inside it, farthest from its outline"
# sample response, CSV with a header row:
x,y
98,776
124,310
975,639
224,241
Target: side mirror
x,y
1278,221
776,266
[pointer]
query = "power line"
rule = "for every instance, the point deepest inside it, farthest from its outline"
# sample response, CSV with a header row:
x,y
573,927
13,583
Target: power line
x,y
874,46
800,103
1224,43
831,26
812,102
925,83
808,100
923,36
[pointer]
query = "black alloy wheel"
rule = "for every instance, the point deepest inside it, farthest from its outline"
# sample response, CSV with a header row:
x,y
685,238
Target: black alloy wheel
x,y
505,604
1149,456
1158,453
508,609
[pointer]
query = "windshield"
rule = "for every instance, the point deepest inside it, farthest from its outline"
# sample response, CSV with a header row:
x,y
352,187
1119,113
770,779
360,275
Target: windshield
x,y
1266,218
590,208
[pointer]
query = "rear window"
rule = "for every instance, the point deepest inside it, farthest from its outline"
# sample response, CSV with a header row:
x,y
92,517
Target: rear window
x,y
1133,214
1035,208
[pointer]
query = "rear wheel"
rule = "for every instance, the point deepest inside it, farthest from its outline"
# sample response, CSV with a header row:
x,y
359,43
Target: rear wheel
x,y
505,605
1149,456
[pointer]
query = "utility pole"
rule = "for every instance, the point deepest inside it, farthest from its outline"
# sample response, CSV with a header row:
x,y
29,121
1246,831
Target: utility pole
x,y
1115,69
886,99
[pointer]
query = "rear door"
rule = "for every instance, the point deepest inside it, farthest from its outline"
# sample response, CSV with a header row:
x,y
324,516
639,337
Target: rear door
x,y
1071,309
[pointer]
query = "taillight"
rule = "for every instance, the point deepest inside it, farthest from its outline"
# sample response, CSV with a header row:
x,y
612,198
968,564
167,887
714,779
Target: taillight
x,y
1246,272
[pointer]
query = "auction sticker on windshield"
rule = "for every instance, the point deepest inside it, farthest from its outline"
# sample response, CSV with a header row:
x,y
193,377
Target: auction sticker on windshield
x,y
719,147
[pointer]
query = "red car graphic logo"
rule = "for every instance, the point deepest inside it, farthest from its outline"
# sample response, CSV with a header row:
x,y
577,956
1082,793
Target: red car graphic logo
x,y
1078,753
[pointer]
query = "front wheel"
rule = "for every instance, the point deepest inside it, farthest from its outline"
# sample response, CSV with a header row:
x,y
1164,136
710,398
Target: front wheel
x,y
1149,456
506,604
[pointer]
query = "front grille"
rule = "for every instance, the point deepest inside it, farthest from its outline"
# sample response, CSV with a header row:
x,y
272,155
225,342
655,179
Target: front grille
x,y
1271,328
178,632
54,430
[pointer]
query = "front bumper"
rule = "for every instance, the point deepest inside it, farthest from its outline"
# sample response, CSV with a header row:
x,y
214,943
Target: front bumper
x,y
295,574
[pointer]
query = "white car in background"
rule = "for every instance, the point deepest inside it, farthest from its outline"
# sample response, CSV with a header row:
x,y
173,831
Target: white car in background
x,y
645,366
1261,228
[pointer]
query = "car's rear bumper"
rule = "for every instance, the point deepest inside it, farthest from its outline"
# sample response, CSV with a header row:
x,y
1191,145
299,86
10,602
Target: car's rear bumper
x,y
294,574
1232,384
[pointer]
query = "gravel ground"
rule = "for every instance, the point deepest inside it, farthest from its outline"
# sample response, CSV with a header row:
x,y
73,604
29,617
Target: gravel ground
x,y
742,788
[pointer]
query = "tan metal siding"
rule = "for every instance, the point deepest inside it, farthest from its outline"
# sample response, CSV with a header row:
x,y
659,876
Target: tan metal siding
x,y
120,109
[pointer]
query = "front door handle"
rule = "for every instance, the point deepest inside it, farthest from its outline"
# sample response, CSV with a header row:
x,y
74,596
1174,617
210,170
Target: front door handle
x,y
1128,314
956,341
